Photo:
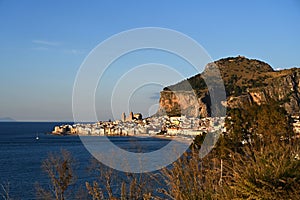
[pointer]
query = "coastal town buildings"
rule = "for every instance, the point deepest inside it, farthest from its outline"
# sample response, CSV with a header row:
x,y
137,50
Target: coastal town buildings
x,y
136,125
160,125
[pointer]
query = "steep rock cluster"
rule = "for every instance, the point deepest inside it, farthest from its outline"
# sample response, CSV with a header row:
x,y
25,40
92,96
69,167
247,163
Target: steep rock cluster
x,y
246,81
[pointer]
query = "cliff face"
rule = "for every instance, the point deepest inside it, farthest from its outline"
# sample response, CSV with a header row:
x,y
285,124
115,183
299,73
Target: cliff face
x,y
246,81
185,103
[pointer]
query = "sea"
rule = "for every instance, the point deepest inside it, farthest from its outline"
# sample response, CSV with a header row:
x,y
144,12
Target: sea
x,y
21,154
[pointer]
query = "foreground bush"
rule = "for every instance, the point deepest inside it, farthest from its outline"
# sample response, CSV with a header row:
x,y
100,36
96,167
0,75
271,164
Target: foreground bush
x,y
272,172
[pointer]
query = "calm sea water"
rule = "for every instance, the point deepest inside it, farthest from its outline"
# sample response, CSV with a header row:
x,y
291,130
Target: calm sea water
x,y
21,154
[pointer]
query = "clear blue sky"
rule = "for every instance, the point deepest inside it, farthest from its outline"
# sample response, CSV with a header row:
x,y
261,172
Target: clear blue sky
x,y
43,43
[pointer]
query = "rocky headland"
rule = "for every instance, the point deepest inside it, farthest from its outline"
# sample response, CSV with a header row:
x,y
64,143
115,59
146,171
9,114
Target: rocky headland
x,y
246,81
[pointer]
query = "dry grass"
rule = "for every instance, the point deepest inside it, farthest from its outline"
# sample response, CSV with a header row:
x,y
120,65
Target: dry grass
x,y
112,184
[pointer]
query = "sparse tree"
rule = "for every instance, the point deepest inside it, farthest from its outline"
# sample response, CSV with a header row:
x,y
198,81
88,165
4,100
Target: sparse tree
x,y
59,168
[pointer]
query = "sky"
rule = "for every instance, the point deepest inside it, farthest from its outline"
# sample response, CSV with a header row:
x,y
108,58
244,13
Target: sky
x,y
44,43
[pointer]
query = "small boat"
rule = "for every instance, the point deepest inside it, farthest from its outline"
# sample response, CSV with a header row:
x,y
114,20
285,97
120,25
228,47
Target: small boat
x,y
37,136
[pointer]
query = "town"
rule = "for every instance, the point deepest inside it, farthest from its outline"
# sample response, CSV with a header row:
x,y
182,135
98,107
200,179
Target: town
x,y
135,125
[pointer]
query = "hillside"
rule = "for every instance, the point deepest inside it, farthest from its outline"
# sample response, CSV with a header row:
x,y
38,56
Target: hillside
x,y
6,119
246,81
